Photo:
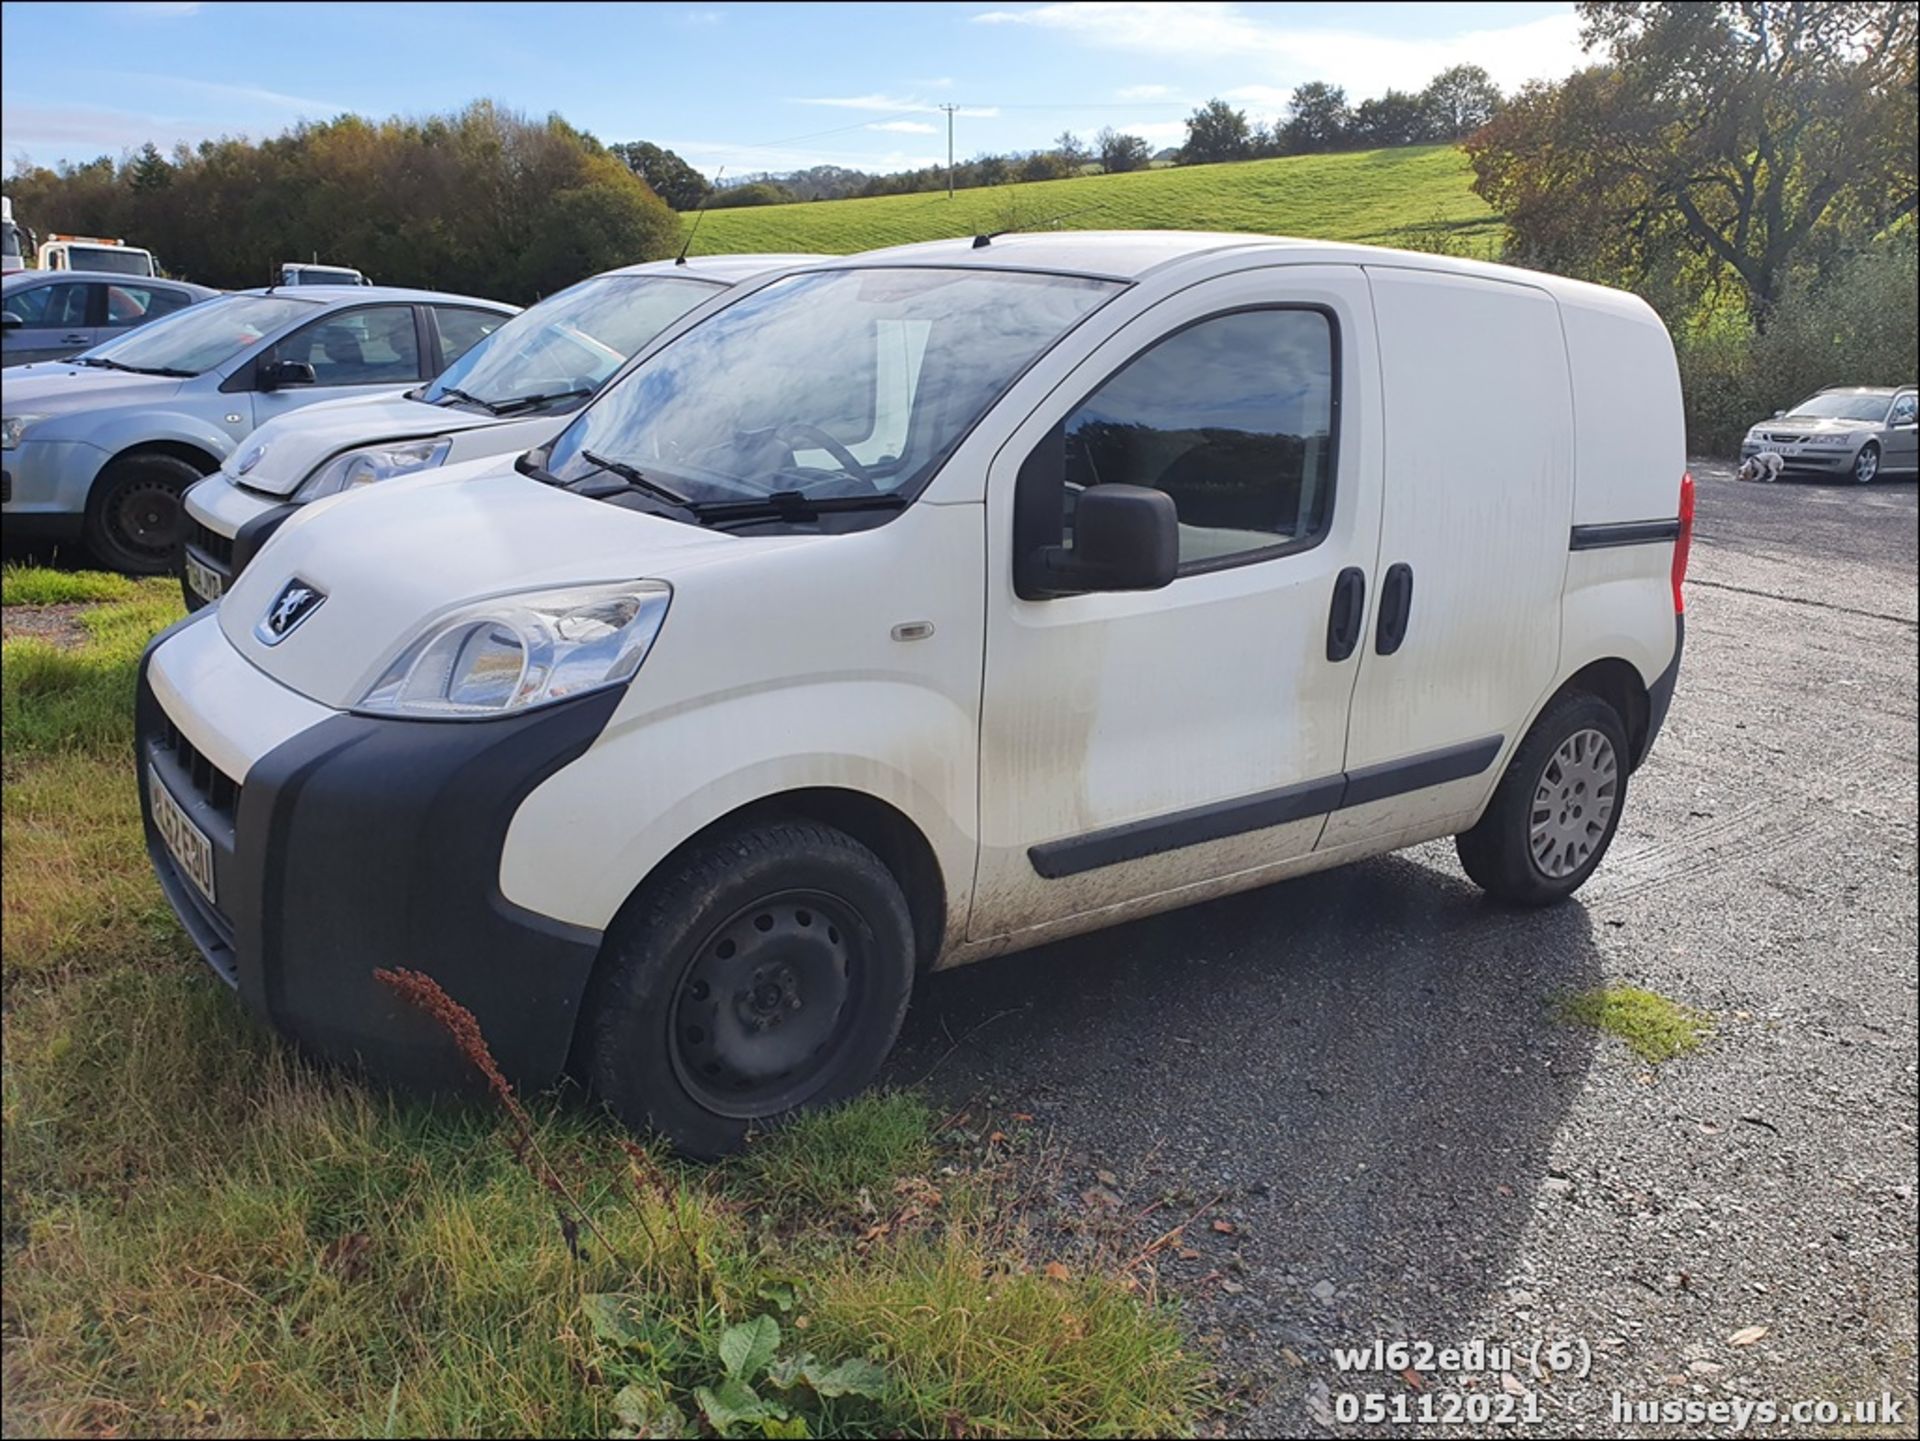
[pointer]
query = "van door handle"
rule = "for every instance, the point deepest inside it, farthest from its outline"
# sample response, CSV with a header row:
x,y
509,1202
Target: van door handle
x,y
1348,613
1396,608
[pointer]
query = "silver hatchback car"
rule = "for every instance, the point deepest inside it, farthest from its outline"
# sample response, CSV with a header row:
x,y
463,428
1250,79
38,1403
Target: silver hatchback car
x,y
101,448
1862,431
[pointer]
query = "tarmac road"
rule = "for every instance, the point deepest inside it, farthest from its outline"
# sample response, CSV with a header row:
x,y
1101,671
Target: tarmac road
x,y
1368,1068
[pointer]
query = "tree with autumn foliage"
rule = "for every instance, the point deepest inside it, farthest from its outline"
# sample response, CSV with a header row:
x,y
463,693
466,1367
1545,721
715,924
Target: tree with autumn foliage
x,y
1747,143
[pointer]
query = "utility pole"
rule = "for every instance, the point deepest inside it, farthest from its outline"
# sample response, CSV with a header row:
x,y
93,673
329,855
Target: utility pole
x,y
949,109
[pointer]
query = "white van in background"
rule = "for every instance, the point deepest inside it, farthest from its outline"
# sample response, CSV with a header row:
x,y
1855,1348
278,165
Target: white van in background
x,y
511,390
295,273
90,252
917,607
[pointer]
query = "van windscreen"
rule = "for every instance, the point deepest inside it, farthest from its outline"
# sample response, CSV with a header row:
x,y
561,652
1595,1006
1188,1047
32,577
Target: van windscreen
x,y
828,384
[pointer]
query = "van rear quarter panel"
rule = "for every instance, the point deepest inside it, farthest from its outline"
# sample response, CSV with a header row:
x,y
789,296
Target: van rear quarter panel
x,y
1630,451
1478,502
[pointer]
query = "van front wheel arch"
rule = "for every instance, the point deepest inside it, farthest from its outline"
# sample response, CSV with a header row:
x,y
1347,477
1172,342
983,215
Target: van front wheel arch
x,y
764,970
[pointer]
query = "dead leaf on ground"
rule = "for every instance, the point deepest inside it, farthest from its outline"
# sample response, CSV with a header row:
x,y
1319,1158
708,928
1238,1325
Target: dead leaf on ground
x,y
1225,1228
1747,1335
1056,1271
1412,1378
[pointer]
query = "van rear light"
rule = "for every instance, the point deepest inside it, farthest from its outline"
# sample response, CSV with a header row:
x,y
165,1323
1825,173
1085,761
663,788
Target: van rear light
x,y
1683,543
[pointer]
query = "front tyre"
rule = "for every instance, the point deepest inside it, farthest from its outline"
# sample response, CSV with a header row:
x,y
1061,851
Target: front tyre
x,y
135,519
1556,809
761,972
1866,465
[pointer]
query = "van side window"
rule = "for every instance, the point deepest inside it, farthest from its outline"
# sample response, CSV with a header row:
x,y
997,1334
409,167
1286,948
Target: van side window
x,y
1233,418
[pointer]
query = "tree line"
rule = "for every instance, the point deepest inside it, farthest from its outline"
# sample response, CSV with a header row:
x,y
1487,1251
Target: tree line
x,y
482,202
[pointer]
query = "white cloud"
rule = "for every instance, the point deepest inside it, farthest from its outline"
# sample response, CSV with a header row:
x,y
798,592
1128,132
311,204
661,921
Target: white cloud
x,y
1144,92
1363,62
710,156
257,95
897,103
906,127
702,17
51,133
160,9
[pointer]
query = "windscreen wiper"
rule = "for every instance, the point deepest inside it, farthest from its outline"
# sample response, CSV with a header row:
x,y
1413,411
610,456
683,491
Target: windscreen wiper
x,y
532,402
792,505
104,362
637,479
486,405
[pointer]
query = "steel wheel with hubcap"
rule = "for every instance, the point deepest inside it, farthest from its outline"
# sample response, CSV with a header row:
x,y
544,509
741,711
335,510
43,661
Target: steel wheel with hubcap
x,y
1573,804
1557,806
1866,465
761,971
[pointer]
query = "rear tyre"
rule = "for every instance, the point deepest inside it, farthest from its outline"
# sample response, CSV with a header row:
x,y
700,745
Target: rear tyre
x,y
1866,465
765,971
135,519
1556,809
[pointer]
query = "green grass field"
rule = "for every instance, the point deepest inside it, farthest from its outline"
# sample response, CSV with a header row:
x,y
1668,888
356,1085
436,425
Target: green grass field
x,y
1414,196
205,1236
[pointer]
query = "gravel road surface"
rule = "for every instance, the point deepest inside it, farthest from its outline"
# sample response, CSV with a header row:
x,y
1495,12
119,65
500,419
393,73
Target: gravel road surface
x,y
1367,1067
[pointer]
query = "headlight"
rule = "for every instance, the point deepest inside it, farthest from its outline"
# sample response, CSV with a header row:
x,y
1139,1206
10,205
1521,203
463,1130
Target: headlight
x,y
519,651
1833,440
13,427
373,462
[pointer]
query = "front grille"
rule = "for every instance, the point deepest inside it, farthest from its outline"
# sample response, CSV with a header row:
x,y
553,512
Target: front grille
x,y
214,785
1784,439
210,543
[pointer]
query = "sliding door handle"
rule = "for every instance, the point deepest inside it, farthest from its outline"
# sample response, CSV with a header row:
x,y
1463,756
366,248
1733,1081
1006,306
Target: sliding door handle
x,y
1348,613
1396,608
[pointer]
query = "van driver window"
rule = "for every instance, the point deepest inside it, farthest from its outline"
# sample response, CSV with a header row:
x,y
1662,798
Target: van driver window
x,y
1233,418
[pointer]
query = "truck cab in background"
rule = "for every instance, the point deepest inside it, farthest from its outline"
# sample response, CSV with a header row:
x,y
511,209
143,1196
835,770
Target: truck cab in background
x,y
90,252
12,251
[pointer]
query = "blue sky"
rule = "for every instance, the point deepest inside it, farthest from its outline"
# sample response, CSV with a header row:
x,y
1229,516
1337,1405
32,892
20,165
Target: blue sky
x,y
746,86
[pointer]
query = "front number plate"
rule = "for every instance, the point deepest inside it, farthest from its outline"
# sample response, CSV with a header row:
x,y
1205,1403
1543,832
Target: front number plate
x,y
186,842
204,580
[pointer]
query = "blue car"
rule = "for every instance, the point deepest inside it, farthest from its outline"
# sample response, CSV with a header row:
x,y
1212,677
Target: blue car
x,y
100,448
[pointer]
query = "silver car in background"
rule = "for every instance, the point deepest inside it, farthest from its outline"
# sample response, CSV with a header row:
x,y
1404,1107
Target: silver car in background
x,y
100,448
51,314
1862,431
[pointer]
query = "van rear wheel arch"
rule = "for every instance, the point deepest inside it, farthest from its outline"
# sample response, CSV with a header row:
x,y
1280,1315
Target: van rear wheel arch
x,y
1618,683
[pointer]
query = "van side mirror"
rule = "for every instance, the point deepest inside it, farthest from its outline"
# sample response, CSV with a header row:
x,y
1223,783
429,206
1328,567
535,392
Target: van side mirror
x,y
275,374
9,320
1125,537
1778,413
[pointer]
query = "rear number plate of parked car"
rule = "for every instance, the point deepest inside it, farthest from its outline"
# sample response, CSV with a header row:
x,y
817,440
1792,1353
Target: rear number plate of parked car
x,y
204,579
186,842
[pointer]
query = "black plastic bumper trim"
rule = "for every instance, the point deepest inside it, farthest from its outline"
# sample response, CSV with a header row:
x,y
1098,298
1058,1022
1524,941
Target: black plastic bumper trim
x,y
1220,819
364,843
1660,693
1622,532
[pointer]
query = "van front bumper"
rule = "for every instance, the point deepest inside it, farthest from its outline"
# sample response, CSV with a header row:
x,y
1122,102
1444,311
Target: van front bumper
x,y
226,525
344,844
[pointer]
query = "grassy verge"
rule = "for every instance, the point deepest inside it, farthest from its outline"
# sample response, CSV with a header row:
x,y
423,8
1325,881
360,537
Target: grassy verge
x,y
205,1236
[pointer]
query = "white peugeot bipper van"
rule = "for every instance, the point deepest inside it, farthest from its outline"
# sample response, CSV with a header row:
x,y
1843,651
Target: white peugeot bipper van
x,y
917,607
514,386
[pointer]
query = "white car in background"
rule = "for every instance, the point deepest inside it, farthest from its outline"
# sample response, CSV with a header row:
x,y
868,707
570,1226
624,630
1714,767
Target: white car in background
x,y
509,393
